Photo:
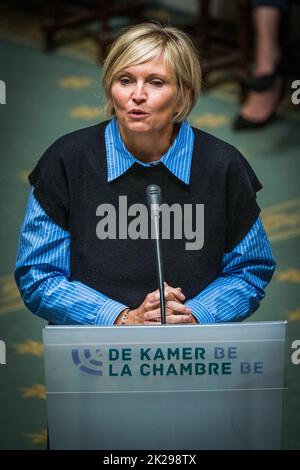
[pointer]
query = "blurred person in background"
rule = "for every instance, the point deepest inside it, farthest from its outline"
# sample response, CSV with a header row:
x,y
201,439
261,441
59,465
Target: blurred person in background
x,y
265,85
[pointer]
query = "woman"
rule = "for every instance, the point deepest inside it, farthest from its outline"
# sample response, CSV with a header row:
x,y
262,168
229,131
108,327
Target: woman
x,y
77,264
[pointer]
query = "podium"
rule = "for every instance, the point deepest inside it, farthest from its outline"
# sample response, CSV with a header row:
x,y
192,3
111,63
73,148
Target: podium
x,y
165,387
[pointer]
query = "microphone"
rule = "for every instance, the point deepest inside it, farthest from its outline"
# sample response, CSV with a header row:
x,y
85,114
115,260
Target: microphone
x,y
153,196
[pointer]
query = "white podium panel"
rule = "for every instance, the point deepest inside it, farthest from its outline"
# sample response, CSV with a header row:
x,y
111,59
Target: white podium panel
x,y
165,387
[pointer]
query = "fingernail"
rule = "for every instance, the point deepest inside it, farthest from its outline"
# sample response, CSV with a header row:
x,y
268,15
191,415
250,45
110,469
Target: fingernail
x,y
188,310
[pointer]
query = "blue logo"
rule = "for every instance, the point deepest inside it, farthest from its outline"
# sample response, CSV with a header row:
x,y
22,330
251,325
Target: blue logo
x,y
88,360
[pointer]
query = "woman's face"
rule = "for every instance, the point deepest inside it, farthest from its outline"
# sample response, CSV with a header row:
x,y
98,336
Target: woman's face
x,y
145,97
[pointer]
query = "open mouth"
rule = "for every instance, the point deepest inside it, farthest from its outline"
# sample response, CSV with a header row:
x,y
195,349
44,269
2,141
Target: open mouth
x,y
136,113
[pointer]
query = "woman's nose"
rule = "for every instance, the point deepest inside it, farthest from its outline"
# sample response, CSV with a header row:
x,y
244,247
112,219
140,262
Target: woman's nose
x,y
139,93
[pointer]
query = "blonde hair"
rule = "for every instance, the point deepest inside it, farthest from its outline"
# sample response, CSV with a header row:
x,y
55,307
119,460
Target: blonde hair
x,y
144,42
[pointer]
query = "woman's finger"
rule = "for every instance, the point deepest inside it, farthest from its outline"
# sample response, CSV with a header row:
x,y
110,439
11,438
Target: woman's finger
x,y
178,294
178,318
177,307
152,306
170,294
152,315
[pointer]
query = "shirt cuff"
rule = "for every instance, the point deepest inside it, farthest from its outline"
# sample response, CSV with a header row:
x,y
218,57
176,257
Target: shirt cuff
x,y
201,313
109,311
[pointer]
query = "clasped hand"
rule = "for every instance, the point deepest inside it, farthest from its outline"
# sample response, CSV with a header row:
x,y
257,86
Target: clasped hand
x,y
148,313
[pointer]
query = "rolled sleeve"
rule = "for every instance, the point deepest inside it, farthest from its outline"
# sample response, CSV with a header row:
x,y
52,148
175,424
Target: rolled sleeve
x,y
109,312
200,312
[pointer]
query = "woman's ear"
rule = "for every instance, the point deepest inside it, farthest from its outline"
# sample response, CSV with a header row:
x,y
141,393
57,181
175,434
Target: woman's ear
x,y
186,93
185,98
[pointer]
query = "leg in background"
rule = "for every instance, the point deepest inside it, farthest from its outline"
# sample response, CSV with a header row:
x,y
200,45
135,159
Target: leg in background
x,y
260,106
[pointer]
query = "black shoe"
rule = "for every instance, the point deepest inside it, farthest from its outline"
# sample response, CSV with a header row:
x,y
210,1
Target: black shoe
x,y
240,123
259,84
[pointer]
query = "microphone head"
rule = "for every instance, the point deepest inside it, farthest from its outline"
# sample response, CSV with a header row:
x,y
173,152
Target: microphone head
x,y
153,194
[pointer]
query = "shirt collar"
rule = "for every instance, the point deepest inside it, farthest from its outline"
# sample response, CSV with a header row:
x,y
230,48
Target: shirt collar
x,y
177,159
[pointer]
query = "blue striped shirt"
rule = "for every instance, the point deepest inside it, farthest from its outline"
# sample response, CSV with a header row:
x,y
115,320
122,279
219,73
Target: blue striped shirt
x,y
177,159
43,261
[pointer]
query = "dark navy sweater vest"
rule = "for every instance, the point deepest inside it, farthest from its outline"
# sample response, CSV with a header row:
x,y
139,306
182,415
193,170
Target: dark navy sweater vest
x,y
70,183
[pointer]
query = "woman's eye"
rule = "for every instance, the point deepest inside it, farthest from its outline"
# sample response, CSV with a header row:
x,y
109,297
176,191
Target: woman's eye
x,y
157,83
125,80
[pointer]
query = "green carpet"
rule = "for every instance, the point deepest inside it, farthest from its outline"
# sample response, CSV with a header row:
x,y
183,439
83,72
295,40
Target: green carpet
x,y
49,95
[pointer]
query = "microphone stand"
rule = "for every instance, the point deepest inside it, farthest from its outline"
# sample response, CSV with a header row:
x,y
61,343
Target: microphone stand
x,y
153,193
159,266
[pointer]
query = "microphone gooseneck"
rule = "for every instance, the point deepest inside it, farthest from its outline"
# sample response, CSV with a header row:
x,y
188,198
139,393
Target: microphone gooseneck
x,y
153,196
